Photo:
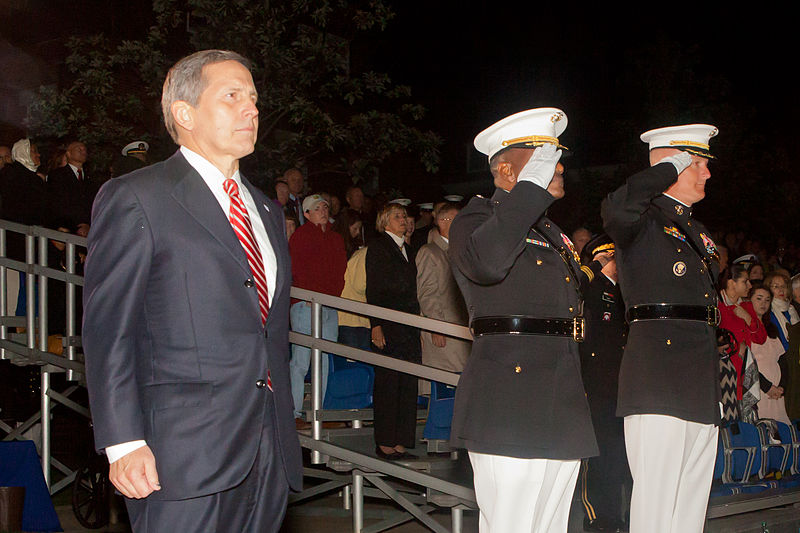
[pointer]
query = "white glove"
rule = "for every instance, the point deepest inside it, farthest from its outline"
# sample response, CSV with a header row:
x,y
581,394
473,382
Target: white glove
x,y
541,166
680,161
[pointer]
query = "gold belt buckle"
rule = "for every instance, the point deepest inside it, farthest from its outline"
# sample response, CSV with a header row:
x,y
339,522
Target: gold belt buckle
x,y
713,315
578,328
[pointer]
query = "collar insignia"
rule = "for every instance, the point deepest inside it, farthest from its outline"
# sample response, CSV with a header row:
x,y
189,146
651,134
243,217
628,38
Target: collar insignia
x,y
679,209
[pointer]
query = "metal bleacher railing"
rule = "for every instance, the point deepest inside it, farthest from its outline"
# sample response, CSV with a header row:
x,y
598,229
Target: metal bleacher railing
x,y
418,487
343,449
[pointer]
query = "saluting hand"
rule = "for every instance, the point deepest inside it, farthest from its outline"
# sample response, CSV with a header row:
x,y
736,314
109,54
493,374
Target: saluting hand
x,y
541,166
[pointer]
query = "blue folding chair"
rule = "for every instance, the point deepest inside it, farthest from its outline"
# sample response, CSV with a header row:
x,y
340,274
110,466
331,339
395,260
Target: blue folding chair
x,y
742,446
349,384
440,412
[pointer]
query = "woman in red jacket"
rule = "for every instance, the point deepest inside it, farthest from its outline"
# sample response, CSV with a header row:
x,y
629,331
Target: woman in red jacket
x,y
738,316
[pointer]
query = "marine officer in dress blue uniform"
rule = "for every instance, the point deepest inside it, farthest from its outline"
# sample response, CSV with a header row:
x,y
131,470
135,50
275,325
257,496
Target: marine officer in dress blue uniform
x,y
520,407
669,379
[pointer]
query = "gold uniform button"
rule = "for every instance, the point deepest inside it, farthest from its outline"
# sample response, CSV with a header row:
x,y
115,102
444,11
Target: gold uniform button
x,y
669,342
517,369
538,261
592,354
679,250
567,279
688,223
706,295
571,309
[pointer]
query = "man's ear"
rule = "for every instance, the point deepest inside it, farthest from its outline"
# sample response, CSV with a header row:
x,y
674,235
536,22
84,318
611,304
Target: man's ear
x,y
505,170
183,113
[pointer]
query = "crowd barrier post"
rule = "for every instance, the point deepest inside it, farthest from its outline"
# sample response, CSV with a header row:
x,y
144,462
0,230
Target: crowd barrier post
x,y
3,292
316,380
45,392
71,314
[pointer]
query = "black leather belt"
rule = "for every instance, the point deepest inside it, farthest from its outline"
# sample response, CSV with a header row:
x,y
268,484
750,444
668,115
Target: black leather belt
x,y
527,325
702,313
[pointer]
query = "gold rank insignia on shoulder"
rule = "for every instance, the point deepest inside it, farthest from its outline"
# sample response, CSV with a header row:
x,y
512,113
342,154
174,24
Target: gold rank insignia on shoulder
x,y
679,268
679,209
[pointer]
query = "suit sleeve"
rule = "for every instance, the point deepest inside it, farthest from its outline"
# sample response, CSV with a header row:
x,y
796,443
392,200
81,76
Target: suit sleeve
x,y
120,247
428,284
623,209
484,245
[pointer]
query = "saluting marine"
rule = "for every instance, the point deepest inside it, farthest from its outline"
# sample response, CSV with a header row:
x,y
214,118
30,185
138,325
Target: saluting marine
x,y
669,379
520,407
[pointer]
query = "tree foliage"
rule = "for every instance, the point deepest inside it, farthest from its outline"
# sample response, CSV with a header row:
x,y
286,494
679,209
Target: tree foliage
x,y
315,109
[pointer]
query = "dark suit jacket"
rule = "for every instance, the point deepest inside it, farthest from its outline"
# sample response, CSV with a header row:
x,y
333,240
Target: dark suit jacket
x,y
70,199
172,334
392,283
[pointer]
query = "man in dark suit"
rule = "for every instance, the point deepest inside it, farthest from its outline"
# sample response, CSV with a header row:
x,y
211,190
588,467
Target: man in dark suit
x,y
669,388
520,408
71,192
186,320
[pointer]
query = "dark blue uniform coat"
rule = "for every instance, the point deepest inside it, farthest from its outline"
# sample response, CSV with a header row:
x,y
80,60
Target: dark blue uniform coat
x,y
520,395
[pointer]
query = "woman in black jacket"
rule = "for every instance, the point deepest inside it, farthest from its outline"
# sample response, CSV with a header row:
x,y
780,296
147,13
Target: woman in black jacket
x,y
391,283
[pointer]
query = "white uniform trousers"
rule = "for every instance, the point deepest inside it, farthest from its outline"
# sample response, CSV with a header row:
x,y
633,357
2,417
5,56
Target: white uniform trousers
x,y
672,463
523,495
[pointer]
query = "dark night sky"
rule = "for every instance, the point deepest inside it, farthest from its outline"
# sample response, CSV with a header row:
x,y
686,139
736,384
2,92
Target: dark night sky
x,y
472,67
473,63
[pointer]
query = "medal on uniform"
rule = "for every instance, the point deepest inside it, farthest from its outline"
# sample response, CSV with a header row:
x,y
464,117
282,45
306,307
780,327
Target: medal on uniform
x,y
607,316
711,248
679,268
536,242
571,248
673,232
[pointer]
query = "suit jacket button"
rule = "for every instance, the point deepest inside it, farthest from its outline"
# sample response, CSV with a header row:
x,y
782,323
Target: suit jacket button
x,y
249,283
261,384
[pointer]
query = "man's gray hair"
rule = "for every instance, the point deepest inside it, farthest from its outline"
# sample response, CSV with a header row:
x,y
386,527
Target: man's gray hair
x,y
185,81
795,281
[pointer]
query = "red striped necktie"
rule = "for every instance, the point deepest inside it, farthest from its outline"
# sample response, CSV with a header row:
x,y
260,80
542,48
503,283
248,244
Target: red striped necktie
x,y
244,230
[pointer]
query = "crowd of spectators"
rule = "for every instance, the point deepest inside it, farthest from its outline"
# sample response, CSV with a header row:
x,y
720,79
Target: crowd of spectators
x,y
401,263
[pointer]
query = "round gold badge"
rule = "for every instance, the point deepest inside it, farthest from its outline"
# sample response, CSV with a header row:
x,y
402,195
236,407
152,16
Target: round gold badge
x,y
679,268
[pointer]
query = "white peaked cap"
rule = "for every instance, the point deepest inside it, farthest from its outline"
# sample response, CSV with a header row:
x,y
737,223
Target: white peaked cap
x,y
136,147
692,138
405,202
526,129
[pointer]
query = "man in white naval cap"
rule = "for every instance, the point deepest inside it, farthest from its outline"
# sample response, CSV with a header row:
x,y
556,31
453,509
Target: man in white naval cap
x,y
669,379
520,407
134,157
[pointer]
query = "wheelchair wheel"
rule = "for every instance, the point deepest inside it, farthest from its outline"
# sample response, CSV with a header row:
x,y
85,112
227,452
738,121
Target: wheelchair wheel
x,y
91,493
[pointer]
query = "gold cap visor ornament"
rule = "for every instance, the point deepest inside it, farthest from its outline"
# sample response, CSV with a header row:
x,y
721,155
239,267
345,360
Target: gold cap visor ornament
x,y
136,147
526,129
691,138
